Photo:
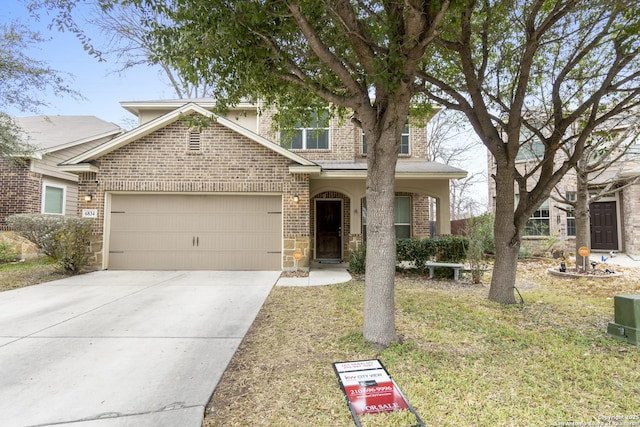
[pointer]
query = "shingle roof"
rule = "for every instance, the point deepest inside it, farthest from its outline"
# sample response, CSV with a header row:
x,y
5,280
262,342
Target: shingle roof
x,y
402,167
51,133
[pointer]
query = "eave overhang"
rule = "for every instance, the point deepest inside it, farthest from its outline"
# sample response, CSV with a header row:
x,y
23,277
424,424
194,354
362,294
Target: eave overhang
x,y
79,168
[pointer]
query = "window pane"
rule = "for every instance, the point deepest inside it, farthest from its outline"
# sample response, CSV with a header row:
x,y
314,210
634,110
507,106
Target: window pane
x,y
403,232
402,210
571,226
363,209
404,141
364,143
537,227
317,139
53,198
296,143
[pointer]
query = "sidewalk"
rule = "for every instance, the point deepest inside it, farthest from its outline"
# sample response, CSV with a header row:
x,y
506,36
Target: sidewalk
x,y
318,276
619,259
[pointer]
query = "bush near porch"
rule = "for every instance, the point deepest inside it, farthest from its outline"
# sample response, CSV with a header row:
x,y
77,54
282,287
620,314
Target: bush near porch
x,y
414,253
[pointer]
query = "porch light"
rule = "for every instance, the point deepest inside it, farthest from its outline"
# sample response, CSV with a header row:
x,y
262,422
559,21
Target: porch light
x,y
296,198
88,197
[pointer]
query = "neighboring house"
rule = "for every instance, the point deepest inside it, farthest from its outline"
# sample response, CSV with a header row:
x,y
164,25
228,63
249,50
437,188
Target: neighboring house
x,y
37,184
168,195
615,219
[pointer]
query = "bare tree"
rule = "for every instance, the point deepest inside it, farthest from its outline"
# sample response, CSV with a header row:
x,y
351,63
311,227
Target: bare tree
x,y
577,61
126,28
449,142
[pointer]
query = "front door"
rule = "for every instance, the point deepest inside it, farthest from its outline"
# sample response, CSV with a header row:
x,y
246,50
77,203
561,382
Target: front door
x,y
329,229
604,226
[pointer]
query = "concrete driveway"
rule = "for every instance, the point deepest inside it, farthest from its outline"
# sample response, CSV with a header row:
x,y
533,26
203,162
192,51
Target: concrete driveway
x,y
122,348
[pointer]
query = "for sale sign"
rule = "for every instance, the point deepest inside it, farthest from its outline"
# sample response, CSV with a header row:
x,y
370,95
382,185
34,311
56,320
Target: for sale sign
x,y
369,389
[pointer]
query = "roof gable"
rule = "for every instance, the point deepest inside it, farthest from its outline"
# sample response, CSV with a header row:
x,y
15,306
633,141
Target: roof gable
x,y
171,117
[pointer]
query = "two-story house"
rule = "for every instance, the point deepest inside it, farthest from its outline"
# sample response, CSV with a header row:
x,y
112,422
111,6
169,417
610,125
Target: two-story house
x,y
171,195
614,218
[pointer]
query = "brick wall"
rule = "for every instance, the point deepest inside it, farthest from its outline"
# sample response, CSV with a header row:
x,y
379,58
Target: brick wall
x,y
345,140
226,163
20,190
631,219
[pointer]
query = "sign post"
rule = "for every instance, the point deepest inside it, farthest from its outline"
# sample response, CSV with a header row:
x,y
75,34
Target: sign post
x,y
369,389
584,252
297,255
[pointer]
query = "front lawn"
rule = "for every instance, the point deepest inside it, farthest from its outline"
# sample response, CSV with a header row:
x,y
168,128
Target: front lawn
x,y
21,274
464,361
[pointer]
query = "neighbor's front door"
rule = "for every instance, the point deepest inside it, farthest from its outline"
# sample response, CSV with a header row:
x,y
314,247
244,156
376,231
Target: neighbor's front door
x,y
604,226
329,229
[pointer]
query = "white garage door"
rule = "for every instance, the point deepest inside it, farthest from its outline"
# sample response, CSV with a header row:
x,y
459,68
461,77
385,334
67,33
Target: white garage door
x,y
187,232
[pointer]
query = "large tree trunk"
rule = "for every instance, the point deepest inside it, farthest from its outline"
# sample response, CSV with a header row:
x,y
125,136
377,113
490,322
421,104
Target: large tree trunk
x,y
583,220
379,302
507,240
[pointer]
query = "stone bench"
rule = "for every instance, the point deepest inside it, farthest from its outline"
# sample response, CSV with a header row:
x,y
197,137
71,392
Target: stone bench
x,y
456,268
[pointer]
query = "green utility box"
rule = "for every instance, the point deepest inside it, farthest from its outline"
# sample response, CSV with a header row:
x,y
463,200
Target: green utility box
x,y
627,319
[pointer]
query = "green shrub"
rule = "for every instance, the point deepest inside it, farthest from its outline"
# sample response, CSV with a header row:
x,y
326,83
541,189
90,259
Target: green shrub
x,y
451,248
416,251
7,253
441,248
63,238
357,260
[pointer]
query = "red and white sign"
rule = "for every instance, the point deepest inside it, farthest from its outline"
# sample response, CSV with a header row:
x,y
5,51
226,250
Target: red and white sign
x,y
369,388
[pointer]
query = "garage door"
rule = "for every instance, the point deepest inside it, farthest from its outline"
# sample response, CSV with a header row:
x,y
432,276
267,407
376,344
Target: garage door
x,y
183,232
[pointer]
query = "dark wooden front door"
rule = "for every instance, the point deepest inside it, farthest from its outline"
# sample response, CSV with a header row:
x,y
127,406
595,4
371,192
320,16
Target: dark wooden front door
x,y
604,226
329,229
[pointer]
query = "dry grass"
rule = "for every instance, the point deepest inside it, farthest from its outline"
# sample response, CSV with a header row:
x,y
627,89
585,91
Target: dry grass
x,y
21,274
464,360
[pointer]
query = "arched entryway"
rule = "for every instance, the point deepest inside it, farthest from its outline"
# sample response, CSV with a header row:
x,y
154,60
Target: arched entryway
x,y
331,226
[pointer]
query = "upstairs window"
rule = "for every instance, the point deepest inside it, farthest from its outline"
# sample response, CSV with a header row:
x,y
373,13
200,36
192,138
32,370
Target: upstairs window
x,y
404,142
53,199
313,136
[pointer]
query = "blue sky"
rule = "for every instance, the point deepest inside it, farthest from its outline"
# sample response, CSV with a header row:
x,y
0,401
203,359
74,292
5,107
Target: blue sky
x,y
98,82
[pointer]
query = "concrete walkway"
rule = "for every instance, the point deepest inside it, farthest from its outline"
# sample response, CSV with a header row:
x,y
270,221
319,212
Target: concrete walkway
x,y
319,275
122,348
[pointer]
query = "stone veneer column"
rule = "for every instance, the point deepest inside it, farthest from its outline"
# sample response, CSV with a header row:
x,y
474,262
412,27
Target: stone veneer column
x,y
292,245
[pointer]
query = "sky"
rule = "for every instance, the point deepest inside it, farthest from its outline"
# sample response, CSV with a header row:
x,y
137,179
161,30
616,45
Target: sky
x,y
98,82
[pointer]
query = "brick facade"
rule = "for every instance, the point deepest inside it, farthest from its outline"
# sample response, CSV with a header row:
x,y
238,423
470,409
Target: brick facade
x,y
20,190
226,163
631,222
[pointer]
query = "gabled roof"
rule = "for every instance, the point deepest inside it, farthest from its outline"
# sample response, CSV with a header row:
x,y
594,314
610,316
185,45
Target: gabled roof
x,y
76,163
52,133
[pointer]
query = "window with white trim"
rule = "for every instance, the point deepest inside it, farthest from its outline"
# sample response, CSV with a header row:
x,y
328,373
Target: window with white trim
x,y
402,217
53,199
404,142
571,215
314,136
538,223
